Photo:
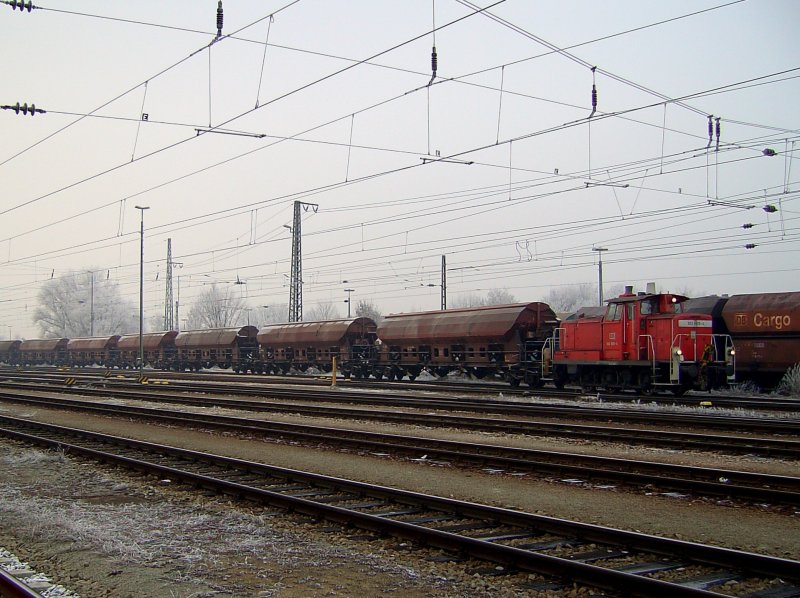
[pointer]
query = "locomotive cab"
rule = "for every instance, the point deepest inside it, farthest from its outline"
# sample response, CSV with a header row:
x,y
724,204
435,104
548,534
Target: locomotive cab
x,y
644,342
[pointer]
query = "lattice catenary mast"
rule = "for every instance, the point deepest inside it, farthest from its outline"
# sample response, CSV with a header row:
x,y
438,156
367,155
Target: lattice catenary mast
x,y
169,305
296,279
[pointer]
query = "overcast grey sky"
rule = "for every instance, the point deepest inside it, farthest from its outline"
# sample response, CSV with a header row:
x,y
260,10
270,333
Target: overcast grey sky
x,y
341,114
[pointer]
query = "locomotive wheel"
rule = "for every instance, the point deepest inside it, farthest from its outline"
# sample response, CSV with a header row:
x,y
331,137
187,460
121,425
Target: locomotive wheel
x,y
514,382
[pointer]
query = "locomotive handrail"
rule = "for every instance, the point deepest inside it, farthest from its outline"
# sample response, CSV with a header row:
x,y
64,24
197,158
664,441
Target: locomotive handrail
x,y
650,349
549,343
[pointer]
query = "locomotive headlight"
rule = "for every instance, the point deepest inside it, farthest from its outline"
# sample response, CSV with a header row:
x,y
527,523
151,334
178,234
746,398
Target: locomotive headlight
x,y
678,351
732,352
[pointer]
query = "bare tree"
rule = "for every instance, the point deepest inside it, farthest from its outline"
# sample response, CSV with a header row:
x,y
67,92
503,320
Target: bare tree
x,y
367,309
500,297
269,314
74,305
569,298
216,307
466,300
322,311
493,297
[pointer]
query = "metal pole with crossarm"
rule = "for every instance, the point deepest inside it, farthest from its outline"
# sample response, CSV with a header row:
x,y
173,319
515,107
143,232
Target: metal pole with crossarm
x,y
141,289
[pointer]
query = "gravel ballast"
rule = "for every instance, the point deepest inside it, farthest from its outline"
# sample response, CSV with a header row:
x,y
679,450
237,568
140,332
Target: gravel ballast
x,y
100,532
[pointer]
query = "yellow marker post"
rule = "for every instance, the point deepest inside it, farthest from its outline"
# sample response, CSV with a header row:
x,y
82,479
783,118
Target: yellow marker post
x,y
333,372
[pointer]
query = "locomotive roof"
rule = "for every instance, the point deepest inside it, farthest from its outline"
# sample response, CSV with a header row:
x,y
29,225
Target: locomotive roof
x,y
150,340
94,343
324,331
590,311
46,344
644,296
493,321
215,337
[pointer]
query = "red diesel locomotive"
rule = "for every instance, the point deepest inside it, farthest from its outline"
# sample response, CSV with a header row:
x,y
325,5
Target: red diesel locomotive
x,y
645,342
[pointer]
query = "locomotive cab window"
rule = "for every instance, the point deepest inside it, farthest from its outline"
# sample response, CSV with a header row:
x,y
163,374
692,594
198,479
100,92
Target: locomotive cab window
x,y
614,313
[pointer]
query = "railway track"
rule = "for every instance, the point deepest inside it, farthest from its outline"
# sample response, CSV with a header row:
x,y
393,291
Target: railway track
x,y
747,445
571,468
18,580
706,421
563,552
763,403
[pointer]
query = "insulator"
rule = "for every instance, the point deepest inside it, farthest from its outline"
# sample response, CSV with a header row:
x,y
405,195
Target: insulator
x,y
219,18
15,4
748,225
24,108
710,129
750,246
769,152
770,209
594,97
434,61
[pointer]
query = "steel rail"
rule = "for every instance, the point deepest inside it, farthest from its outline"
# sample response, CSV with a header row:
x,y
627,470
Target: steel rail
x,y
316,495
766,403
695,441
699,481
13,587
727,422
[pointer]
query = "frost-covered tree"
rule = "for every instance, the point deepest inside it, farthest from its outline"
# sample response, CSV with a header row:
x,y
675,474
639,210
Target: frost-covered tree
x,y
571,297
74,305
367,309
217,307
322,311
492,297
269,314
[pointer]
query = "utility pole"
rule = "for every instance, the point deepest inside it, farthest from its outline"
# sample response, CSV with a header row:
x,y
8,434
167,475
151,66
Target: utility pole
x,y
177,303
348,291
600,251
169,313
444,283
91,307
296,278
141,290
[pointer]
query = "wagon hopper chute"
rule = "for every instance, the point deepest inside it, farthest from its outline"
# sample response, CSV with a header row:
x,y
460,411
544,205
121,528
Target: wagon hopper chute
x,y
9,352
300,345
507,341
52,351
98,350
158,349
766,331
235,348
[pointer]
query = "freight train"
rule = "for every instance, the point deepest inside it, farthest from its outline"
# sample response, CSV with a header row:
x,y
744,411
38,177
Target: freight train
x,y
765,328
644,342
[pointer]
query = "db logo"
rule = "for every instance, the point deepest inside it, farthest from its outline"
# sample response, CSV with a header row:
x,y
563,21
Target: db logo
x,y
741,319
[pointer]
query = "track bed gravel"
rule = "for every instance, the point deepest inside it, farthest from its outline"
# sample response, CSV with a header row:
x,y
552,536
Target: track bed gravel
x,y
100,532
